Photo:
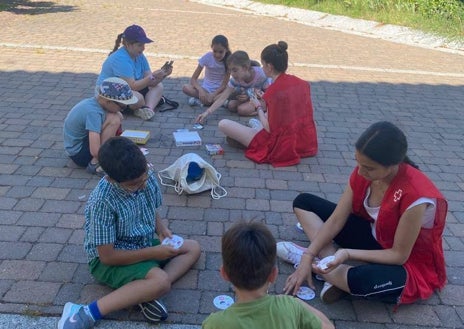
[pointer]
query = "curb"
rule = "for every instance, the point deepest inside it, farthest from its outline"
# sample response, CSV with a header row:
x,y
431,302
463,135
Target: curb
x,y
365,28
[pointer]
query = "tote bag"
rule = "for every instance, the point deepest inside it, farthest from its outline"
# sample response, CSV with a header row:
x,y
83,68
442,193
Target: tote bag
x,y
176,176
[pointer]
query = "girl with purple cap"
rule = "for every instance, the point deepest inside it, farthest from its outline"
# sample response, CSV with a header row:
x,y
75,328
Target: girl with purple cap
x,y
129,63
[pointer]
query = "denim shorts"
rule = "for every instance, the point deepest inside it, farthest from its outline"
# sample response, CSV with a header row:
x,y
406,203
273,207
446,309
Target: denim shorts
x,y
83,157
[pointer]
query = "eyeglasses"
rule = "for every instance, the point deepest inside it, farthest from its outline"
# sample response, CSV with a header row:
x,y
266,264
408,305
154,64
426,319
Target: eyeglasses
x,y
135,184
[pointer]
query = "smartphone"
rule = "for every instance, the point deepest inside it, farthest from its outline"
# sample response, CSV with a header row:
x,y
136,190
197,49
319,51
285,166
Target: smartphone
x,y
167,65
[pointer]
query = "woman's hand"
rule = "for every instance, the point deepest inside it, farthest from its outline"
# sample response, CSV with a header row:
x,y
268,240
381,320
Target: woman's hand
x,y
202,117
340,257
302,273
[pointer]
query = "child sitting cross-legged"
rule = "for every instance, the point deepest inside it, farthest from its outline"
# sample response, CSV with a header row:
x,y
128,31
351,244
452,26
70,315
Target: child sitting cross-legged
x,y
121,219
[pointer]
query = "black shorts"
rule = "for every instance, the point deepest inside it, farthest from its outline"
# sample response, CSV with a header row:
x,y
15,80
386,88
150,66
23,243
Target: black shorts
x,y
376,281
144,91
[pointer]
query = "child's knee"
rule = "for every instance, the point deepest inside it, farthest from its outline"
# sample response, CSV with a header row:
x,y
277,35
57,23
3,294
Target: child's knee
x,y
246,110
160,281
186,89
194,248
114,119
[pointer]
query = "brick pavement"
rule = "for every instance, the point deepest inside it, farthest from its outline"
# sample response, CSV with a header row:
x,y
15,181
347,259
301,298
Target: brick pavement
x,y
51,53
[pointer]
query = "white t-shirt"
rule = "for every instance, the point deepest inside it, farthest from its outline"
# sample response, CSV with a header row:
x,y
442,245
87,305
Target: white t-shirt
x,y
214,72
427,219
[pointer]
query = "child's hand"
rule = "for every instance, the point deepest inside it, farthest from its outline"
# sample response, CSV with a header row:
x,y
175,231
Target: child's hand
x,y
167,71
165,252
157,76
166,233
242,98
167,68
202,117
259,93
256,103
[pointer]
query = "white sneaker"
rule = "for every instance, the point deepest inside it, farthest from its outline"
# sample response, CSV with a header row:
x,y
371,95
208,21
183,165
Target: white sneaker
x,y
255,124
194,102
330,293
290,252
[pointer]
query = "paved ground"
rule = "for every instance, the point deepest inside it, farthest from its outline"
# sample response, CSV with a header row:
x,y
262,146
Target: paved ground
x,y
51,53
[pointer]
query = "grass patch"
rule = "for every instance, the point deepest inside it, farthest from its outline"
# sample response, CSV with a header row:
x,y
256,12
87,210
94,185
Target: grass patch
x,y
443,18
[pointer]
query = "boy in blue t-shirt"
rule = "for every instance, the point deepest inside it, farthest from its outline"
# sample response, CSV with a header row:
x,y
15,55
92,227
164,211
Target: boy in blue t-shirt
x,y
93,120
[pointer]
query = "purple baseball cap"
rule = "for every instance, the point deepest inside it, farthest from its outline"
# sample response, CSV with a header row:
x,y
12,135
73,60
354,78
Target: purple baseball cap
x,y
136,33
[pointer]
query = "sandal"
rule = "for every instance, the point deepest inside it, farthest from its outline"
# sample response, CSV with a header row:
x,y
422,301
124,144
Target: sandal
x,y
95,169
144,113
166,104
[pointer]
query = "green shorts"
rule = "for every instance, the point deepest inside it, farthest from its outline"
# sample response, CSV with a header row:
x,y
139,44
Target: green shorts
x,y
118,276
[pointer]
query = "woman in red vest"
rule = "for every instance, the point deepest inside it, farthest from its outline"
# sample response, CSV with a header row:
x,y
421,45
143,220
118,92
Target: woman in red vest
x,y
389,220
284,131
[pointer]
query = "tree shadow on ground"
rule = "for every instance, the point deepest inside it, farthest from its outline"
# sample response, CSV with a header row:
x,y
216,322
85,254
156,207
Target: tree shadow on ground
x,y
40,193
26,7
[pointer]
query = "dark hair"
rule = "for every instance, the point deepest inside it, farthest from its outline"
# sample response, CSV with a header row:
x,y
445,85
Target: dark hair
x,y
384,143
117,43
118,40
222,41
122,159
248,254
276,54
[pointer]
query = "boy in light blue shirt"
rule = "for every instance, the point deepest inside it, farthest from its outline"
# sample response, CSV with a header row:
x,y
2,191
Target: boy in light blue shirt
x,y
94,120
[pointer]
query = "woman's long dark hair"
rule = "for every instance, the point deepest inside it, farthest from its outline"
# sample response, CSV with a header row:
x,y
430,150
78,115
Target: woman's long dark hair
x,y
384,143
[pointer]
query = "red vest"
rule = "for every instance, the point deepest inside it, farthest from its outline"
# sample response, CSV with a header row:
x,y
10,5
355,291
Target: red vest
x,y
292,129
426,264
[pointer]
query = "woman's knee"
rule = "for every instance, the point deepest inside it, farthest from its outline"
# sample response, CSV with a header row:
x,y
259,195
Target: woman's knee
x,y
224,125
302,200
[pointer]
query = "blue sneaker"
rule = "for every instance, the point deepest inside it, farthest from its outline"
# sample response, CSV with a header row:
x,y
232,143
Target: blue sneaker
x,y
75,317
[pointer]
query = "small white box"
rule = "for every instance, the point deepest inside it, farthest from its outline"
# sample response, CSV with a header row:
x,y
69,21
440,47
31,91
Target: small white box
x,y
138,136
187,138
